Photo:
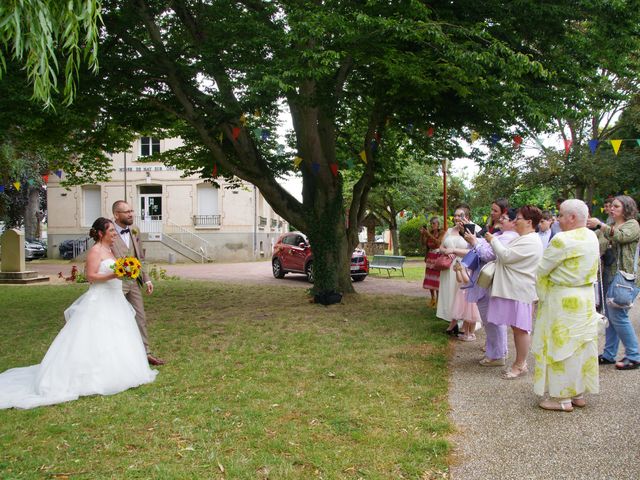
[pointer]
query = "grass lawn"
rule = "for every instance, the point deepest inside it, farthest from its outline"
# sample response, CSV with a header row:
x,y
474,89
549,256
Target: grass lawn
x,y
259,384
413,270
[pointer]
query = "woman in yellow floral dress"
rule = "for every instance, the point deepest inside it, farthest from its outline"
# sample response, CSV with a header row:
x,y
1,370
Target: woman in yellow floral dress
x,y
565,336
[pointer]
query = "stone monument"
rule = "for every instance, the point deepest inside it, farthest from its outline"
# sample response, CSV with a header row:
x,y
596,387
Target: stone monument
x,y
12,265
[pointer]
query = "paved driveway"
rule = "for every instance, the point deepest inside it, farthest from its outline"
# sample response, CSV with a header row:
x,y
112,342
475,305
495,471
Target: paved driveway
x,y
253,272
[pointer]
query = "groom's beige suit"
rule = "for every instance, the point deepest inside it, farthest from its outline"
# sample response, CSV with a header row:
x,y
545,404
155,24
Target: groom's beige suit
x,y
131,289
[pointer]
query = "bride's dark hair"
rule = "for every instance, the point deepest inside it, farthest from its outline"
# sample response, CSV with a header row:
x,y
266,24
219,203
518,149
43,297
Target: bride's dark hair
x,y
99,226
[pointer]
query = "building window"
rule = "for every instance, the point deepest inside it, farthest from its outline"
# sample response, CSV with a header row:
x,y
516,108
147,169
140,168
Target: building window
x,y
91,201
208,213
149,146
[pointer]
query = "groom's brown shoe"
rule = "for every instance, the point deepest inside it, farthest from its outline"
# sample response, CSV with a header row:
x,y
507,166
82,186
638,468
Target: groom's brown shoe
x,y
155,361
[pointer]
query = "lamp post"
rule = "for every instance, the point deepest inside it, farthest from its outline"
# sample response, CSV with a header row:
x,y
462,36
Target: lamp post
x,y
125,176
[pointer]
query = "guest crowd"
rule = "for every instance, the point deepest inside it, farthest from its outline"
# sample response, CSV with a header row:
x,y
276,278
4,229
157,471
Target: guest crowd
x,y
545,277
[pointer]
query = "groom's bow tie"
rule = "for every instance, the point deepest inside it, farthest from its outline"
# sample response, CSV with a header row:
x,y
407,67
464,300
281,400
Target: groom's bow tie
x,y
125,230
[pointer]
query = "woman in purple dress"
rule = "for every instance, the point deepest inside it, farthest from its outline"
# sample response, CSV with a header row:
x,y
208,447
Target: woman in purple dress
x,y
496,335
514,284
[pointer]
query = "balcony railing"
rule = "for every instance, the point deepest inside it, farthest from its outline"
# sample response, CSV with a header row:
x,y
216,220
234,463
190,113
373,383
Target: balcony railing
x,y
274,223
206,220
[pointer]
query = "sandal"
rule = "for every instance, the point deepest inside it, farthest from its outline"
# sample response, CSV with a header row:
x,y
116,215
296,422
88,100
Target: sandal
x,y
454,331
557,405
627,364
519,372
578,401
602,360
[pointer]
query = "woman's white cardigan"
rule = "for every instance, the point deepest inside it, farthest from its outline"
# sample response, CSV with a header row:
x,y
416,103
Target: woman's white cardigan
x,y
516,266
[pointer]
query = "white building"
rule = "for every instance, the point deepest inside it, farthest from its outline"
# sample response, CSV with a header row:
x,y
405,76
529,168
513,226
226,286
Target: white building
x,y
181,219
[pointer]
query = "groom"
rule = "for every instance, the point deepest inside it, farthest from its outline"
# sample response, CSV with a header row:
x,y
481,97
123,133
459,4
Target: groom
x,y
127,244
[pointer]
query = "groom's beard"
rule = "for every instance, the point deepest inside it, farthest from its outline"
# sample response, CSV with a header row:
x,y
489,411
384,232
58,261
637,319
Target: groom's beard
x,y
125,222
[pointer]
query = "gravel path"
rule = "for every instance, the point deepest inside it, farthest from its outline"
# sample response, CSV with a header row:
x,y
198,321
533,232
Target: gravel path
x,y
502,434
253,272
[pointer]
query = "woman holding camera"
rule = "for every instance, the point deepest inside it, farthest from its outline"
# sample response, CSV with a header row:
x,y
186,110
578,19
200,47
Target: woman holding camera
x,y
623,235
453,243
431,239
514,284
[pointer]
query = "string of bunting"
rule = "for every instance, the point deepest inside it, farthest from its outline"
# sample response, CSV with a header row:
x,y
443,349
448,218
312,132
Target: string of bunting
x,y
17,184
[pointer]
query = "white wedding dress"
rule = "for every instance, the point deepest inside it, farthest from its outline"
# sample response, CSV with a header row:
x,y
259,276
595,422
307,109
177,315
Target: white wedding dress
x,y
99,351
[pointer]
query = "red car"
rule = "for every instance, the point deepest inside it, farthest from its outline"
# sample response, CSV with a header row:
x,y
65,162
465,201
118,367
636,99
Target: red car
x,y
292,253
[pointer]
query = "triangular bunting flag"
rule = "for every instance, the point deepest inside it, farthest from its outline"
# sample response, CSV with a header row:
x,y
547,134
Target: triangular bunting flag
x,y
235,133
220,136
517,141
316,167
363,156
1,188
257,132
593,145
430,131
401,213
17,185
378,137
334,169
567,146
638,141
264,135
374,145
494,139
616,145
257,113
243,120
297,161
58,173
45,178
474,136
214,172
31,181
349,164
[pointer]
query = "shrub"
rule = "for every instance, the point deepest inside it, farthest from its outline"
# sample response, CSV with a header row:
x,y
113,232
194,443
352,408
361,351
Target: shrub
x,y
410,237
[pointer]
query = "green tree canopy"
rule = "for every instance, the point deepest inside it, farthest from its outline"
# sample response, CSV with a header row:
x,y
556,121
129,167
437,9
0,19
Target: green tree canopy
x,y
38,33
228,69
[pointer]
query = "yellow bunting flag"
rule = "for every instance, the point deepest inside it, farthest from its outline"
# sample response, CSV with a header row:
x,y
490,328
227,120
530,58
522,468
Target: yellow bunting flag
x,y
484,218
601,209
243,119
257,113
616,145
17,185
474,136
363,156
297,161
220,137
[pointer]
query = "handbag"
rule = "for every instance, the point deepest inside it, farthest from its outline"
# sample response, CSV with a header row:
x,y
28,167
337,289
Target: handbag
x,y
622,291
601,318
441,261
485,278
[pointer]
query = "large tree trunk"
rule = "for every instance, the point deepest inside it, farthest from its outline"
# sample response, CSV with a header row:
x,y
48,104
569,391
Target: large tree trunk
x,y
30,213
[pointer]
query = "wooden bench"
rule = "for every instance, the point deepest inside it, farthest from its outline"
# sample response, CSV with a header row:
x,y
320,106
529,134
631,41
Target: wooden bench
x,y
388,263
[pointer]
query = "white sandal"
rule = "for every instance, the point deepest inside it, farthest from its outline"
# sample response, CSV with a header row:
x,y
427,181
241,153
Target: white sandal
x,y
557,405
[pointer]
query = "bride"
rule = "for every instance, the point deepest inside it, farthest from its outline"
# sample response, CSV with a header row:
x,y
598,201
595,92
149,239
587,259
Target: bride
x,y
99,351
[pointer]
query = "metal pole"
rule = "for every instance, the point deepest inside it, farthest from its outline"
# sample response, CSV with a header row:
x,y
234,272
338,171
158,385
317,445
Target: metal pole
x,y
255,220
125,176
444,193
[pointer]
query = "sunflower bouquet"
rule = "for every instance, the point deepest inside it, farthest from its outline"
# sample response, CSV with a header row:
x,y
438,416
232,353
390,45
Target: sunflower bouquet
x,y
127,267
